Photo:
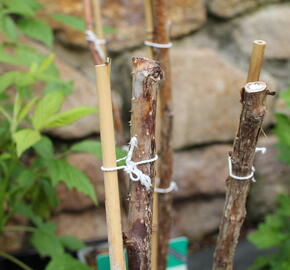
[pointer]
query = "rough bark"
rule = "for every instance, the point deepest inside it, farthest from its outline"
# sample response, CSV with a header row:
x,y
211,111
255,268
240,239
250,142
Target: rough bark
x,y
242,156
146,77
161,35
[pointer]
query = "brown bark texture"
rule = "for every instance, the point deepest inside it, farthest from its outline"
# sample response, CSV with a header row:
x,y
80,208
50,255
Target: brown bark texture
x,y
161,35
242,157
146,77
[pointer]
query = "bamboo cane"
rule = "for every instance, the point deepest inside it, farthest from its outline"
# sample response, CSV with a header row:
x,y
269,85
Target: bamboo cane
x,y
161,36
146,76
109,161
252,115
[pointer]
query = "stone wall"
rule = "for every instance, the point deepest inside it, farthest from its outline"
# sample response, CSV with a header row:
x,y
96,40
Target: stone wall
x,y
212,44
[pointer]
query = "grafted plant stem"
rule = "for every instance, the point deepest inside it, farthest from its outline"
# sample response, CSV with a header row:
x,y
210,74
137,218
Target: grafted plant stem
x,y
146,77
242,156
161,36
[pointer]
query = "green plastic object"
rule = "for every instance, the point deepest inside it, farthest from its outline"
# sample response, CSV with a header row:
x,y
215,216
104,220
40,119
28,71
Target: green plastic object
x,y
176,259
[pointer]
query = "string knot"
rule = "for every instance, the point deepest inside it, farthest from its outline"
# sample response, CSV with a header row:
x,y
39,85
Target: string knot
x,y
131,166
90,36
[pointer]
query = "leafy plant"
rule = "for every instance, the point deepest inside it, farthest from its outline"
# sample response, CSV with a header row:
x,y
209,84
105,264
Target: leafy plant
x,y
274,232
31,97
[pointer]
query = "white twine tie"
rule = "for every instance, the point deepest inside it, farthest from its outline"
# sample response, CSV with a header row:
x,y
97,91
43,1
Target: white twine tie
x,y
90,36
158,45
131,166
263,150
172,187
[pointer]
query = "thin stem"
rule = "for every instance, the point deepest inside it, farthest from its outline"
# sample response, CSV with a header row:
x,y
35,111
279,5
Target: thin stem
x,y
14,260
19,229
6,114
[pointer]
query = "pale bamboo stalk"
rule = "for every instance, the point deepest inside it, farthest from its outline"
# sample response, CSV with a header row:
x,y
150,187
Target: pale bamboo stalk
x,y
113,213
99,23
256,60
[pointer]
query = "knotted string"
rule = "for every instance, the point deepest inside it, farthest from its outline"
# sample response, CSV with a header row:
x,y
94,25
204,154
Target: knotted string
x,y
131,166
90,36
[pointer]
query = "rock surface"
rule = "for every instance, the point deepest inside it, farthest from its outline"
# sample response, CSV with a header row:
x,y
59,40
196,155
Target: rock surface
x,y
127,18
87,225
195,219
201,172
228,9
266,24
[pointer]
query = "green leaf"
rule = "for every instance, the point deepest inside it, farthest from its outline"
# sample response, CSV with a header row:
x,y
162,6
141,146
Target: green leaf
x,y
266,237
94,148
285,95
69,117
19,7
282,129
66,262
60,170
88,146
8,79
24,139
109,30
37,29
49,105
9,28
26,109
44,147
23,7
46,242
71,242
71,21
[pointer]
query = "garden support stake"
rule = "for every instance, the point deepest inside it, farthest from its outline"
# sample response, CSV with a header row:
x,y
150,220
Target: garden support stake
x,y
253,99
146,76
113,213
161,36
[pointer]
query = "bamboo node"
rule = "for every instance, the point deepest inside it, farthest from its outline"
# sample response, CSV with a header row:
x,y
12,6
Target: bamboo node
x,y
131,166
263,150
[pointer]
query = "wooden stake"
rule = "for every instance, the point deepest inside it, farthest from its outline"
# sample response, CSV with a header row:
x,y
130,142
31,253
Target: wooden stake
x,y
99,23
113,213
253,99
149,37
161,36
146,77
90,26
149,25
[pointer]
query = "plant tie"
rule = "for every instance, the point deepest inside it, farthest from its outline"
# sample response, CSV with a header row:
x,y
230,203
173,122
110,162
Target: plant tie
x,y
172,187
263,150
158,45
90,36
131,166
